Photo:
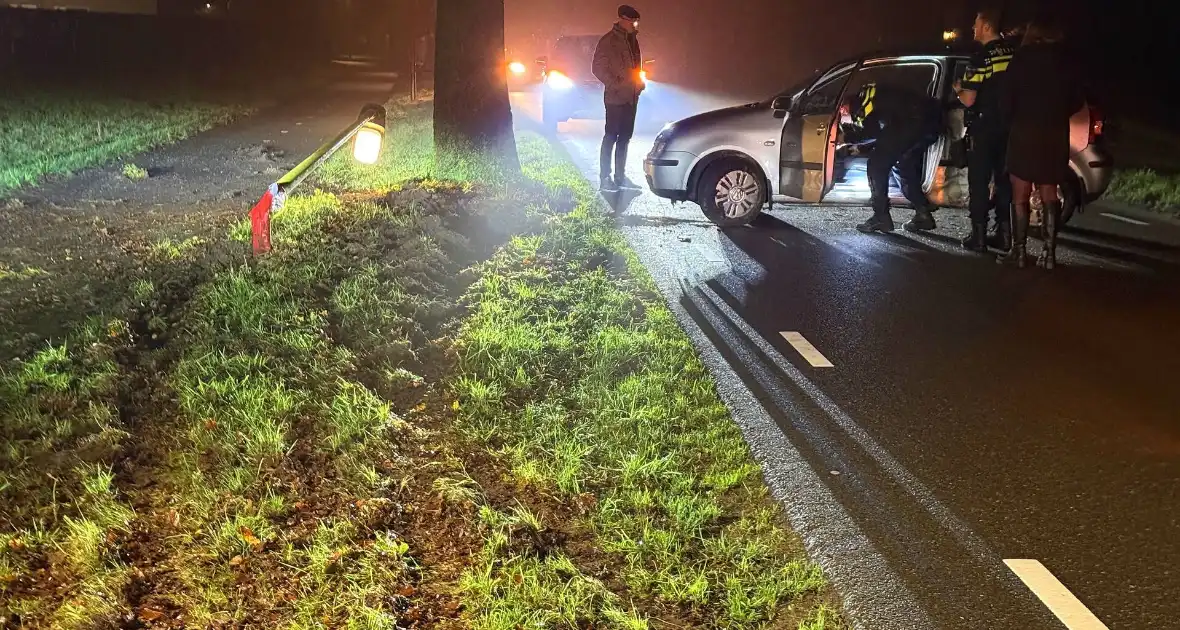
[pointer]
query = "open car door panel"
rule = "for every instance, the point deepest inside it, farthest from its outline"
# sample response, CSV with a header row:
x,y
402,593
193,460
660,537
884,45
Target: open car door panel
x,y
808,142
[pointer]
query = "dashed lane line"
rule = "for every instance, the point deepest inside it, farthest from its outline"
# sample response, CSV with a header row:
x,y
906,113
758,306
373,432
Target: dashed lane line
x,y
809,352
1053,594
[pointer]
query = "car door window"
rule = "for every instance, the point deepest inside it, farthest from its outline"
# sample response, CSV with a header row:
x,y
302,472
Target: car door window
x,y
823,98
917,77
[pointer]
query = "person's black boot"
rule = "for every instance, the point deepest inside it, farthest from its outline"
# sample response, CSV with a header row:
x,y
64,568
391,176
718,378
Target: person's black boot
x,y
1052,218
879,222
923,221
976,241
1018,251
1001,236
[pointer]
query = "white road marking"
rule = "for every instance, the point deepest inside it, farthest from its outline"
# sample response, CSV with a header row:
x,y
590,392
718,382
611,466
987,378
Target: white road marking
x,y
1119,217
809,352
1068,608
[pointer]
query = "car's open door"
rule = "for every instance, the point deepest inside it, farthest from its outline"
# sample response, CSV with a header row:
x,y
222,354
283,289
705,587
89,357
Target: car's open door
x,y
808,141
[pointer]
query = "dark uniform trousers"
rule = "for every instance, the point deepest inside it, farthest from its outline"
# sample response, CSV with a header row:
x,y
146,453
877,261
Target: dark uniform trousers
x,y
986,155
899,152
620,126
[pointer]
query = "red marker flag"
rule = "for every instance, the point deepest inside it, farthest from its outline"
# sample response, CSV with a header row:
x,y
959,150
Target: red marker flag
x,y
260,223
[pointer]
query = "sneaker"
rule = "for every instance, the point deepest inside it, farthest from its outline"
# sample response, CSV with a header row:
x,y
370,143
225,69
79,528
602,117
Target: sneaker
x,y
607,183
625,182
923,221
877,223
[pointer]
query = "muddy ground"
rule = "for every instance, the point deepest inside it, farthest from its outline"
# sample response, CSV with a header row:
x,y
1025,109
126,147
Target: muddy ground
x,y
74,246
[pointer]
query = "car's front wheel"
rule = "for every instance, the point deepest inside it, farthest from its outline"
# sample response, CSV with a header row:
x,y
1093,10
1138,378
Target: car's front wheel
x,y
731,192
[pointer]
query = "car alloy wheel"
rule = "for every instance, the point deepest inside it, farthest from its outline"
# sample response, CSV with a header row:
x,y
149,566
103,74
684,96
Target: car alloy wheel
x,y
736,194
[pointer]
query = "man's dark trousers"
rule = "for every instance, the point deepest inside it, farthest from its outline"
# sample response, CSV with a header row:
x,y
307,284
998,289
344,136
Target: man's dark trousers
x,y
986,162
620,126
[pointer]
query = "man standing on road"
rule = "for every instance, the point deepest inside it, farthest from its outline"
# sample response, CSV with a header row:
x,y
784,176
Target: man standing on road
x,y
900,125
617,65
981,91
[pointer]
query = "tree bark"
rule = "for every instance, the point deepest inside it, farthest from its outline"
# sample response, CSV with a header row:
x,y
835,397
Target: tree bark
x,y
471,108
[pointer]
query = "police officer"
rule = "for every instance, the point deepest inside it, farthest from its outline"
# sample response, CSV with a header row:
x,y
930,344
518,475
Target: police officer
x,y
981,90
900,125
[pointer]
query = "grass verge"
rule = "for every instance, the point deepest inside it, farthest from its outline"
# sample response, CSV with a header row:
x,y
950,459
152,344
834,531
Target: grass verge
x,y
57,131
449,398
1147,188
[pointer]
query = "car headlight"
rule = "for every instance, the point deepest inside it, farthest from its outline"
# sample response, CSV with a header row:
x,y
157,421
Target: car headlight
x,y
516,67
558,81
661,142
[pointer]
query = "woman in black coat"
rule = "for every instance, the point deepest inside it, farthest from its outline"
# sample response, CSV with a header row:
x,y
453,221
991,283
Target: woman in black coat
x,y
1044,92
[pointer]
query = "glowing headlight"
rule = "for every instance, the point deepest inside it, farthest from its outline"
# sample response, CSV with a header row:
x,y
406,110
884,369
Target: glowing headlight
x,y
643,75
516,67
559,81
367,146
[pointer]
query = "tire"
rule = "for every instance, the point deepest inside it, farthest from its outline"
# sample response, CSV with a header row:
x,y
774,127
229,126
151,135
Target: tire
x,y
747,192
549,119
1071,197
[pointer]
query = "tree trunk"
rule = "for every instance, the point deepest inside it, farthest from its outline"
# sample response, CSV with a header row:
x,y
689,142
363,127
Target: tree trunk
x,y
471,108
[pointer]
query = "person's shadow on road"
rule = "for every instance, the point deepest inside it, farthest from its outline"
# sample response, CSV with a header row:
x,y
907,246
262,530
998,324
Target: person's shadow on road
x,y
620,200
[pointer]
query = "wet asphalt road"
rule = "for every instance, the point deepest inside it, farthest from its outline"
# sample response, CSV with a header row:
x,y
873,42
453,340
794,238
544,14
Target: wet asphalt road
x,y
973,414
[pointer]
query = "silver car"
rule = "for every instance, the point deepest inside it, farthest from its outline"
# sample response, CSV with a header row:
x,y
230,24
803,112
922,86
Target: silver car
x,y
732,162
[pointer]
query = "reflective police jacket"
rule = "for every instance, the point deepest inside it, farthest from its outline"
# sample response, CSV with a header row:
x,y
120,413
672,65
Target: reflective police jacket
x,y
880,110
987,76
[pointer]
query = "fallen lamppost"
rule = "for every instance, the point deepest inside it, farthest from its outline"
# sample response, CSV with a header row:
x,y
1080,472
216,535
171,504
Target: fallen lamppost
x,y
369,133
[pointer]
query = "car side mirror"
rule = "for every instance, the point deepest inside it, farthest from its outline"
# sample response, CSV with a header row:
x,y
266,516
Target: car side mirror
x,y
781,104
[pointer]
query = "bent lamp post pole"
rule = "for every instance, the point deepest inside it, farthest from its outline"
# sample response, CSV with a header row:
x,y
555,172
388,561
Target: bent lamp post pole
x,y
369,130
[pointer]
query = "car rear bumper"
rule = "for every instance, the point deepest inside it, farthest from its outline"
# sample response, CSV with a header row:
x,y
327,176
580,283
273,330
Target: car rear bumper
x,y
667,175
1094,167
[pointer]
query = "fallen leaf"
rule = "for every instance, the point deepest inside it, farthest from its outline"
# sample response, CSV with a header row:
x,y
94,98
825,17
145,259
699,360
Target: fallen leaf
x,y
16,544
420,407
406,590
210,424
149,614
455,406
249,537
236,561
174,518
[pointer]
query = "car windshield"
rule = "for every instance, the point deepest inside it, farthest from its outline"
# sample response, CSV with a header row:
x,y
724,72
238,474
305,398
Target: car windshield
x,y
797,87
575,47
